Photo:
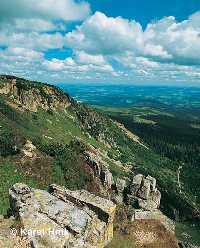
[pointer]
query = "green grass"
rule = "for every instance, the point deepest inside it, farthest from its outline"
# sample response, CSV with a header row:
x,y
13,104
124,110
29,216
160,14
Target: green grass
x,y
9,175
120,241
188,232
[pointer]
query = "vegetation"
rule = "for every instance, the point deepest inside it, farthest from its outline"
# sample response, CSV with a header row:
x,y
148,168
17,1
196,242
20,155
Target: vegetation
x,y
9,175
140,233
61,160
176,143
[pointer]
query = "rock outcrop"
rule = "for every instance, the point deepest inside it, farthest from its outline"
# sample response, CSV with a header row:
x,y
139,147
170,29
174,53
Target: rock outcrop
x,y
32,96
143,193
29,150
145,198
62,218
100,168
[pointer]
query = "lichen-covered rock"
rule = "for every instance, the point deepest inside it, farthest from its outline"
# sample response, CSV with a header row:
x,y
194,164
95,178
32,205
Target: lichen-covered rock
x,y
103,208
99,167
152,182
152,202
29,150
107,178
62,218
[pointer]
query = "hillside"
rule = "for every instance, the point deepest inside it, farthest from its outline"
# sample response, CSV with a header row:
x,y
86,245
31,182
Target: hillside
x,y
45,136
51,119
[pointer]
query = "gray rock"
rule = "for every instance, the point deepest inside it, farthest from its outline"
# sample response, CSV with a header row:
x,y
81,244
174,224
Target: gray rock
x,y
118,199
143,193
136,184
152,182
107,178
31,98
152,202
63,218
120,185
145,189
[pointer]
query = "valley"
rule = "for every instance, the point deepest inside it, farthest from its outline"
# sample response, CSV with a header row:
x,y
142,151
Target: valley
x,y
167,120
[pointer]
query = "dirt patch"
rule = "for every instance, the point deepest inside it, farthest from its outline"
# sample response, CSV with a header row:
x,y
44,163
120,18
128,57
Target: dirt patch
x,y
140,233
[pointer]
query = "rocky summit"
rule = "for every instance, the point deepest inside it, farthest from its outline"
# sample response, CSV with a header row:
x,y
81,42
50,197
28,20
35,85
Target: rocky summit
x,y
62,218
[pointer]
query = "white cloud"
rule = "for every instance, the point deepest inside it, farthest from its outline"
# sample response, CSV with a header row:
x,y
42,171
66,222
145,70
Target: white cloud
x,y
103,48
27,25
74,65
164,41
18,52
100,34
68,10
178,42
84,58
32,40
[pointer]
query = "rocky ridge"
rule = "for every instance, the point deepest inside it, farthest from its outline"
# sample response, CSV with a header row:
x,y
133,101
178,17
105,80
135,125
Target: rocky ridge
x,y
29,96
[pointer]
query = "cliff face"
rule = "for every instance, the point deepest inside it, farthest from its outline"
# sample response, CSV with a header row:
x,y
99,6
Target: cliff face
x,y
27,95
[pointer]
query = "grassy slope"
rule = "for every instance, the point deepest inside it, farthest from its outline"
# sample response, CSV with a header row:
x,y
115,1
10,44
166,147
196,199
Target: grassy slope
x,y
45,128
164,169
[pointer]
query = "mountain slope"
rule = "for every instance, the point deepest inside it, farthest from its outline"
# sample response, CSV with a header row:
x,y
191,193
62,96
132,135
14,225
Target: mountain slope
x,y
44,134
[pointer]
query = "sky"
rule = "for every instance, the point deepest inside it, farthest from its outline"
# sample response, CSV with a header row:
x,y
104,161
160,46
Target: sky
x,y
101,41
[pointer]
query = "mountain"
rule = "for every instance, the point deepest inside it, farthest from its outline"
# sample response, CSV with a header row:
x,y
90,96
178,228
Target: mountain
x,y
47,137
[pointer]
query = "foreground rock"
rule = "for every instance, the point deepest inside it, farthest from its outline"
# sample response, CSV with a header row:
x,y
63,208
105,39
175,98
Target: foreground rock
x,y
62,218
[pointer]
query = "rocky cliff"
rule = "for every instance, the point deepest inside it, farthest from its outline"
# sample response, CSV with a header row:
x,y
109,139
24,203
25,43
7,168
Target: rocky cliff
x,y
29,96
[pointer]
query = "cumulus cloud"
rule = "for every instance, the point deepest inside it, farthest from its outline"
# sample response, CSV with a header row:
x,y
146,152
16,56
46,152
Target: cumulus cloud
x,y
68,10
28,25
176,42
87,64
32,40
164,41
101,47
100,34
84,58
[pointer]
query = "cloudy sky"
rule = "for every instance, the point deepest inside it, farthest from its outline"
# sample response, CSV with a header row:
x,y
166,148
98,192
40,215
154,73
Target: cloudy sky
x,y
125,41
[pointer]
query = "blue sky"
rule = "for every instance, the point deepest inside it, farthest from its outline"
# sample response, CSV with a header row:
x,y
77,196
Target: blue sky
x,y
101,41
145,11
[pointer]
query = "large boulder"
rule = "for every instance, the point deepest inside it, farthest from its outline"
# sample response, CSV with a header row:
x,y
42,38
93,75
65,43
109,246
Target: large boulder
x,y
62,218
152,202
